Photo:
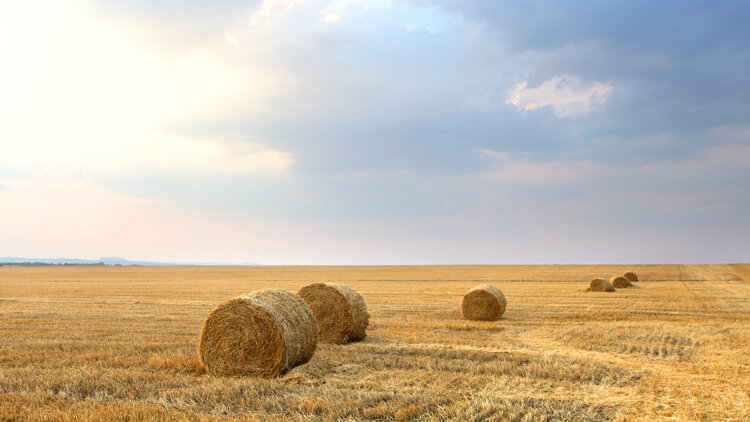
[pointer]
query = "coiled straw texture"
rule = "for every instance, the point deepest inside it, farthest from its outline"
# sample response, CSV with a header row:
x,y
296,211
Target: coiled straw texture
x,y
483,303
340,311
600,285
264,333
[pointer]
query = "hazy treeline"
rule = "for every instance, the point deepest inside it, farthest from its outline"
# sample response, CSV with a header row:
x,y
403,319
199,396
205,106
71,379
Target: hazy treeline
x,y
44,264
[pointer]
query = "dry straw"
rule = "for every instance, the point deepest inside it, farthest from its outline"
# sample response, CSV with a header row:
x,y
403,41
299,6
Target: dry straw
x,y
263,334
341,312
600,285
620,282
483,303
631,276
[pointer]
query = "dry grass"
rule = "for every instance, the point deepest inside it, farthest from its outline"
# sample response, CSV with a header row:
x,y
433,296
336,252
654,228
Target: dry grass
x,y
120,344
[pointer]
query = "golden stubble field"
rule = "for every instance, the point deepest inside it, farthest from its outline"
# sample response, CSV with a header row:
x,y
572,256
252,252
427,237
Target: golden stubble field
x,y
119,343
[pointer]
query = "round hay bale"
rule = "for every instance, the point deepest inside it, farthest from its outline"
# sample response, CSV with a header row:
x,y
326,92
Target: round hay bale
x,y
483,303
631,276
341,311
620,282
600,285
262,334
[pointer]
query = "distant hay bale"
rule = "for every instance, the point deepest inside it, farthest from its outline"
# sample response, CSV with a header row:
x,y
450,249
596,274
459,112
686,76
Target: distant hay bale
x,y
340,311
600,285
620,282
631,276
483,303
262,334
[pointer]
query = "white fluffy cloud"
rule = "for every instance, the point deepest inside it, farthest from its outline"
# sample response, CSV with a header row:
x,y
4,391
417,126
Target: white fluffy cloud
x,y
569,96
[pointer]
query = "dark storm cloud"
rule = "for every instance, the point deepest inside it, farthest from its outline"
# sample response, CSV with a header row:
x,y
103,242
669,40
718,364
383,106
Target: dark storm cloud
x,y
680,67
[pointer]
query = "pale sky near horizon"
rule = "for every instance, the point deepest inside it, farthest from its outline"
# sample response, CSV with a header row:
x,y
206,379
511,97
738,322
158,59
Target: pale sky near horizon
x,y
376,131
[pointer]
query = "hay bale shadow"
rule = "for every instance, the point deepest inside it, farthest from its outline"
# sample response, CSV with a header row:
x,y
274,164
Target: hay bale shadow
x,y
320,371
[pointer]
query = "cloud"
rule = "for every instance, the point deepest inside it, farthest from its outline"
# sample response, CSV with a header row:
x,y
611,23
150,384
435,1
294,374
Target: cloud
x,y
335,11
693,28
83,217
270,11
390,130
330,17
217,157
107,103
677,68
497,154
552,172
567,95
174,26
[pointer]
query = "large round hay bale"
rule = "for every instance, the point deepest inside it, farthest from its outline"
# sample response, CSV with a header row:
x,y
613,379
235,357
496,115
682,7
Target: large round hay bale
x,y
483,303
263,334
631,276
600,285
620,282
341,311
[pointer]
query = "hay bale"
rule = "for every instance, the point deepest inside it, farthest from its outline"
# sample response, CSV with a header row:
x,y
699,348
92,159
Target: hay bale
x,y
340,311
620,282
263,334
631,276
600,285
483,303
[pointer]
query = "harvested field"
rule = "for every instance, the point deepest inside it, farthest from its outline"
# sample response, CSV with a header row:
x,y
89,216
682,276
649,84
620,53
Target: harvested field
x,y
120,342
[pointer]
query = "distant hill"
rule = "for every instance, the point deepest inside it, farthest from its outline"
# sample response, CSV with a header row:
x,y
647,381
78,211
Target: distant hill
x,y
16,261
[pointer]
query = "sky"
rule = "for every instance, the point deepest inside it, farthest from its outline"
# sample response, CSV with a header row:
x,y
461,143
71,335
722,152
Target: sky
x,y
376,131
